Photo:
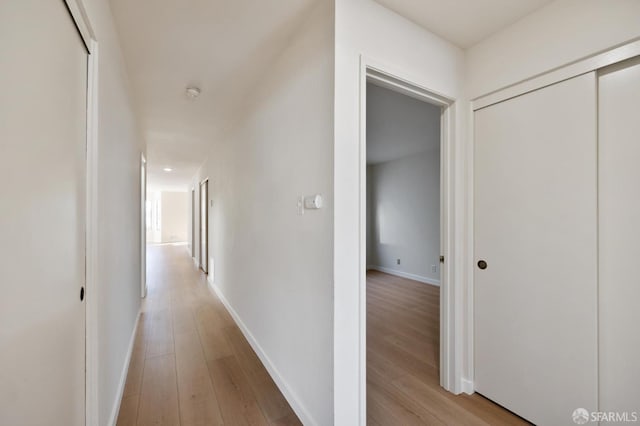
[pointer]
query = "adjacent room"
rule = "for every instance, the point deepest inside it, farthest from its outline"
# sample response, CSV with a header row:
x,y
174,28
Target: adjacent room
x,y
403,186
403,138
168,217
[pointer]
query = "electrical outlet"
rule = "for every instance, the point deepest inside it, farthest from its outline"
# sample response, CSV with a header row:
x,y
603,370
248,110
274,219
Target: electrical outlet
x,y
433,269
398,261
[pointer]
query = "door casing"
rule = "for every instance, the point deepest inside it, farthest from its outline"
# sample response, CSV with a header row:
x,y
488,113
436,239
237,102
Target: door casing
x,y
193,222
143,226
204,225
371,71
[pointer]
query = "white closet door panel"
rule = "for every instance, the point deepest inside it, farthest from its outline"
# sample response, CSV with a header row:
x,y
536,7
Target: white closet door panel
x,y
43,107
619,215
536,227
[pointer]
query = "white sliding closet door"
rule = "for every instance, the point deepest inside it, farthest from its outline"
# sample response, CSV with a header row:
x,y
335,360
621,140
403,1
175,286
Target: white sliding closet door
x,y
619,213
43,111
536,229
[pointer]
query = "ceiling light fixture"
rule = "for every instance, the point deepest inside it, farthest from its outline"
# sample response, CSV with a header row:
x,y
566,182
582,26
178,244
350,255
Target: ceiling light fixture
x,y
193,92
167,169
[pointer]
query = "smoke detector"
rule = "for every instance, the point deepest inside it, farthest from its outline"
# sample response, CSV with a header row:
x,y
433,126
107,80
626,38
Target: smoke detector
x,y
193,92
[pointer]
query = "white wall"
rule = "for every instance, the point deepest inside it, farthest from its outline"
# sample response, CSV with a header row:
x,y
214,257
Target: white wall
x,y
120,144
405,215
274,267
555,35
175,210
364,27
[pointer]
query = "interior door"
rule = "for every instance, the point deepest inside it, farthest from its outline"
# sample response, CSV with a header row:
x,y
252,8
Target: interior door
x,y
43,103
536,252
619,218
204,225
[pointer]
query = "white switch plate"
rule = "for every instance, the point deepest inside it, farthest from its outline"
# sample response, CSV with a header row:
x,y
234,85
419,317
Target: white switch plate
x,y
313,202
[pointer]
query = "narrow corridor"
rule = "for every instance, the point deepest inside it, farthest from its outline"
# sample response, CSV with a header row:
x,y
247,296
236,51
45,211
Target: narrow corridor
x,y
191,365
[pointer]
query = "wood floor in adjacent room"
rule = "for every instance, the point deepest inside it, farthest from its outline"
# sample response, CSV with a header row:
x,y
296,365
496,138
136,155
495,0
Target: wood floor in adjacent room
x,y
403,386
191,365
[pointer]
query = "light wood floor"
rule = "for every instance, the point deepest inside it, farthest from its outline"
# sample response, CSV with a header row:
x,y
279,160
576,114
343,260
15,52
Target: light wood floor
x,y
403,318
191,365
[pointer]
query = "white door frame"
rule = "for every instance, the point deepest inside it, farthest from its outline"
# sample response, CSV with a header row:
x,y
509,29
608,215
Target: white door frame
x,y
143,226
206,205
450,348
193,222
195,244
83,24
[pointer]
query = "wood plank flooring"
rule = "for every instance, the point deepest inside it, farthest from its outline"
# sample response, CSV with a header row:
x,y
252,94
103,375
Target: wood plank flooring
x,y
403,386
190,364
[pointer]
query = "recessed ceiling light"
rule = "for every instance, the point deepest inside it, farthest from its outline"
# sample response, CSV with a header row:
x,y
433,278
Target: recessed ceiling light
x,y
167,169
193,92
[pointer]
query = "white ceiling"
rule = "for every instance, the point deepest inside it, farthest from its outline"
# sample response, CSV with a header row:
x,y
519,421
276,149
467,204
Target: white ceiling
x,y
399,126
220,46
463,22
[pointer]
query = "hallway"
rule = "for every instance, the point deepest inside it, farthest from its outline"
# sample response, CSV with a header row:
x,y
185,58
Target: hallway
x,y
191,365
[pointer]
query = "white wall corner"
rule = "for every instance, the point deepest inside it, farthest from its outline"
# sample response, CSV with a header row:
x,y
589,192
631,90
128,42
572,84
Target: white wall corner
x,y
287,392
123,376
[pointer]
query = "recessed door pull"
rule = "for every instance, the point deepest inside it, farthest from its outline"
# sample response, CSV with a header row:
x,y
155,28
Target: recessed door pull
x,y
81,294
482,264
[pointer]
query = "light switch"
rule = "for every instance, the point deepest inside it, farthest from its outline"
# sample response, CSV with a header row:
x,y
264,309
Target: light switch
x,y
313,202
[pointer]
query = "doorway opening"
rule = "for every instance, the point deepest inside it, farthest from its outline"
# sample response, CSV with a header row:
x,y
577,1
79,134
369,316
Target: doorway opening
x,y
204,225
403,246
143,226
192,245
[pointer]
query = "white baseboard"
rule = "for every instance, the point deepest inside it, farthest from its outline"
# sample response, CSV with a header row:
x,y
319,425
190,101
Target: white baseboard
x,y
468,387
123,376
407,275
291,398
167,243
